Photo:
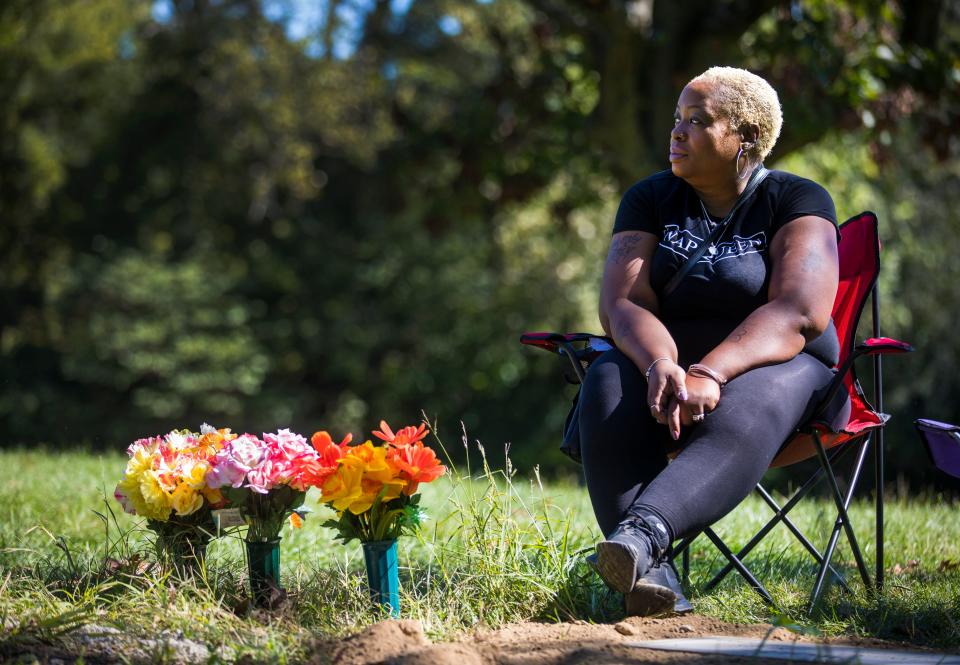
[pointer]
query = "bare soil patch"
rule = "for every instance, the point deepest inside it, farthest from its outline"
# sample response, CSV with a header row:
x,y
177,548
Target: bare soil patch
x,y
404,643
529,643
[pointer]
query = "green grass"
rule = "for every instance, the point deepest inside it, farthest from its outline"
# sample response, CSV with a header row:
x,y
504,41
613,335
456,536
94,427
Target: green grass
x,y
497,548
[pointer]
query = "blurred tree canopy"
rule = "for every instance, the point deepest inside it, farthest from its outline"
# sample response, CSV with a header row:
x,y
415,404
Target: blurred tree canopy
x,y
266,213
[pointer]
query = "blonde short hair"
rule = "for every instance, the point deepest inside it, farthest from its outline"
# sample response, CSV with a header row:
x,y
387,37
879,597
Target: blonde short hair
x,y
746,99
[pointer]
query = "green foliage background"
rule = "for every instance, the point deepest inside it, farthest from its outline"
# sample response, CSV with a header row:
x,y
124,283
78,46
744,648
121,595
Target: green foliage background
x,y
212,213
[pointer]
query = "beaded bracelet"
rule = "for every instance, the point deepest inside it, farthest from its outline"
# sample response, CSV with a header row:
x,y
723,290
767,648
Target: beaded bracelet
x,y
696,369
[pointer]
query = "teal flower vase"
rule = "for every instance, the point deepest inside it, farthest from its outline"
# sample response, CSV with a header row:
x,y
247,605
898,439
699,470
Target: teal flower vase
x,y
383,575
263,565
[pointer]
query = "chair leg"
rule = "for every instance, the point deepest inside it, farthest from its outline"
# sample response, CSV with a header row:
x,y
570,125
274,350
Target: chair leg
x,y
742,569
878,461
822,571
879,450
819,558
781,514
843,520
683,548
844,502
566,347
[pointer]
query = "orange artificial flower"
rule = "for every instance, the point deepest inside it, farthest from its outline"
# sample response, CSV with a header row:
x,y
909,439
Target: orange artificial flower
x,y
404,437
329,455
208,444
328,450
418,464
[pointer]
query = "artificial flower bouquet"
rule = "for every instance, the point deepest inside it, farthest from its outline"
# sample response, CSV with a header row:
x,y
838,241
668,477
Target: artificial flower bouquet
x,y
265,479
373,489
179,481
165,481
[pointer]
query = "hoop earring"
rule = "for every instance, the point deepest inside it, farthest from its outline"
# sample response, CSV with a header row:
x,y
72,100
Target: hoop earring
x,y
741,173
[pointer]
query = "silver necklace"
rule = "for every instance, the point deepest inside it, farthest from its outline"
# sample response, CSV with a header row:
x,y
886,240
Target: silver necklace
x,y
712,249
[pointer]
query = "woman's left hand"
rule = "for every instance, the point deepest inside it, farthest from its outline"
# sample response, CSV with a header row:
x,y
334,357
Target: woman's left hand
x,y
703,395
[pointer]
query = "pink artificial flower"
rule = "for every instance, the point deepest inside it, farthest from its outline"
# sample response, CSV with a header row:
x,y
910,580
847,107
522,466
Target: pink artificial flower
x,y
124,500
290,457
224,470
231,465
261,479
140,444
247,450
283,458
286,444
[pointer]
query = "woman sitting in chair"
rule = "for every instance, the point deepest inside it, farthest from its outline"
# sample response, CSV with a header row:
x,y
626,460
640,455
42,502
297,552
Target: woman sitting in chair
x,y
717,291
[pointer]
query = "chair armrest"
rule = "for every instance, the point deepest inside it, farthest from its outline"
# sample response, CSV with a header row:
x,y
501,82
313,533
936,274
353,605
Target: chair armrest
x,y
554,342
592,346
876,346
542,340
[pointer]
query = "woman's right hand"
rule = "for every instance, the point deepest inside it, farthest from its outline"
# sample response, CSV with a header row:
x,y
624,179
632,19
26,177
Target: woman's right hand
x,y
666,389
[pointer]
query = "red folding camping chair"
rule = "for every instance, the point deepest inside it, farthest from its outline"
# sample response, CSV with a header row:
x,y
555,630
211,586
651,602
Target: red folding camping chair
x,y
859,251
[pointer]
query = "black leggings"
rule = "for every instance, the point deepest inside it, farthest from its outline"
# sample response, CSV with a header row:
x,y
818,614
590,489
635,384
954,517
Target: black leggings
x,y
625,450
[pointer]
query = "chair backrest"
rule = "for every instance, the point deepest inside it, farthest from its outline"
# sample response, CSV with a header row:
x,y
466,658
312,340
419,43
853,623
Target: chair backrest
x,y
859,251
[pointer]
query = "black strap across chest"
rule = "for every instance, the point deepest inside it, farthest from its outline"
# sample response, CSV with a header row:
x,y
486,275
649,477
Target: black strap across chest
x,y
758,175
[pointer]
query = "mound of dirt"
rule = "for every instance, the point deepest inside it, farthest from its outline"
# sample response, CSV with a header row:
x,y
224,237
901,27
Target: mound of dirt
x,y
379,643
443,654
582,642
404,643
528,643
573,643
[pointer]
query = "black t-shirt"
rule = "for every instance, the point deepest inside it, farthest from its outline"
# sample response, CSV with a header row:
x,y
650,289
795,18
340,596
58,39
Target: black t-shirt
x,y
728,284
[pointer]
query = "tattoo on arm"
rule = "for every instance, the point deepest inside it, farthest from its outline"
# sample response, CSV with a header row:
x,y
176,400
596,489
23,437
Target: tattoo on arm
x,y
621,329
738,335
622,247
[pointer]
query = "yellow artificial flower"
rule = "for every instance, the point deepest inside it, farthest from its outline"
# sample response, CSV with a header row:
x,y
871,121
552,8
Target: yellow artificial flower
x,y
129,487
394,488
157,502
142,460
342,488
381,472
363,472
371,489
363,503
186,500
380,468
214,496
363,454
193,471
